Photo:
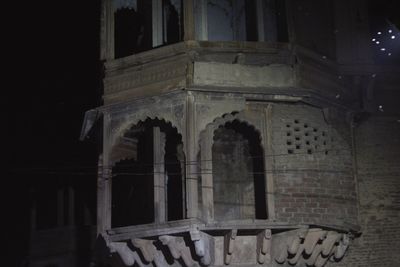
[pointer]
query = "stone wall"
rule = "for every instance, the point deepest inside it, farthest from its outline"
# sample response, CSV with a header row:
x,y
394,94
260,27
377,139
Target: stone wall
x,y
313,171
378,154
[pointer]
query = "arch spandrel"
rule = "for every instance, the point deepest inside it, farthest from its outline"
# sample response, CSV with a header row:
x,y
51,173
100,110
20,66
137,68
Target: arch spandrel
x,y
207,108
245,116
128,123
173,115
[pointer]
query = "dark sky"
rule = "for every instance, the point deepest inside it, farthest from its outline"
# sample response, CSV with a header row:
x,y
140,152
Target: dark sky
x,y
52,57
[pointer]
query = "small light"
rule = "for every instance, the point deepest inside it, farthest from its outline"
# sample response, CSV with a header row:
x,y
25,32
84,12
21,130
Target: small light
x,y
379,33
373,39
383,49
389,54
392,36
390,31
324,57
373,75
380,107
377,42
337,96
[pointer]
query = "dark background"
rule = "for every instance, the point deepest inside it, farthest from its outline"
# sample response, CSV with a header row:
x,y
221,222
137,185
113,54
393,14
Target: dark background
x,y
52,75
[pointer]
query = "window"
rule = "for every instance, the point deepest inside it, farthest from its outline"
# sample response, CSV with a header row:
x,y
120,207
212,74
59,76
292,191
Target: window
x,y
140,25
148,183
241,20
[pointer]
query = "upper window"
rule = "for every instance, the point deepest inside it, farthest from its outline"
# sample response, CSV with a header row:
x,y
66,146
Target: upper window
x,y
240,20
140,25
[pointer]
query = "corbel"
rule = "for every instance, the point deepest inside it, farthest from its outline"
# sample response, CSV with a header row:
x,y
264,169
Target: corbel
x,y
178,248
296,247
147,248
341,247
127,255
264,246
312,238
229,241
202,246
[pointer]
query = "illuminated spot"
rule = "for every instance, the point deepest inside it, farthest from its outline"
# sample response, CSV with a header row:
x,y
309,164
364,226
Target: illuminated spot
x,y
392,36
377,42
389,54
390,31
379,33
383,49
373,39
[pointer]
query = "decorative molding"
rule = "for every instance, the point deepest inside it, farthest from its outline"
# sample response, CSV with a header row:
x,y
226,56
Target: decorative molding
x,y
144,75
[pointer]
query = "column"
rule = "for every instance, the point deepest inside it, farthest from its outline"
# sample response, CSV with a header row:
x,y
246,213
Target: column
x,y
159,174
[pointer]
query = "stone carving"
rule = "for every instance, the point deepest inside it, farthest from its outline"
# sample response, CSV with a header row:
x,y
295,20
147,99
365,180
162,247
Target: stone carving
x,y
178,249
301,247
202,246
314,247
229,242
127,255
264,246
140,77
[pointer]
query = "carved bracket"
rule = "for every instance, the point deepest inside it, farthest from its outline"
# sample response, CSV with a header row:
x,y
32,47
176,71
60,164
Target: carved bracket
x,y
264,246
229,241
178,248
314,247
202,246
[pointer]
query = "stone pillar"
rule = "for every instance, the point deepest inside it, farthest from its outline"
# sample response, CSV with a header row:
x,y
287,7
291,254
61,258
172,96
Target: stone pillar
x,y
188,17
107,30
104,180
157,22
159,174
206,174
191,163
268,163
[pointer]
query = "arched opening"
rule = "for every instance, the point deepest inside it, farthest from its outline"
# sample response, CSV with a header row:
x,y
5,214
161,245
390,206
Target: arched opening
x,y
238,173
148,184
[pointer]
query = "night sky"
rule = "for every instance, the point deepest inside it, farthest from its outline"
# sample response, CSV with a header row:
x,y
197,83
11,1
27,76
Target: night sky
x,y
55,72
53,57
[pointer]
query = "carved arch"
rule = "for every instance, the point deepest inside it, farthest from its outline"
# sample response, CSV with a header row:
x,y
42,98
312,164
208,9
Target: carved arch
x,y
230,117
120,131
206,142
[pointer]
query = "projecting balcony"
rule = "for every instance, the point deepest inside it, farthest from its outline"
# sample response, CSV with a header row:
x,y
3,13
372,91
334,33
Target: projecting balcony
x,y
245,243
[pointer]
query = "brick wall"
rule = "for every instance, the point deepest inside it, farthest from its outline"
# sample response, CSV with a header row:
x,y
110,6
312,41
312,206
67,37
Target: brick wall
x,y
378,154
313,173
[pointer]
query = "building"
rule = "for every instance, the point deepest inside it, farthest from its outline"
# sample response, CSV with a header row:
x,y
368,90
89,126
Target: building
x,y
247,133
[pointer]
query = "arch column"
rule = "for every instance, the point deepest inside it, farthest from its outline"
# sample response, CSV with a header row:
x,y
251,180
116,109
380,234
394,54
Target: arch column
x,y
207,174
159,175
